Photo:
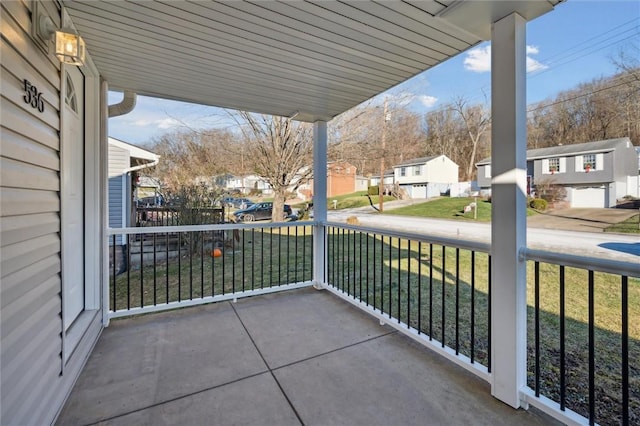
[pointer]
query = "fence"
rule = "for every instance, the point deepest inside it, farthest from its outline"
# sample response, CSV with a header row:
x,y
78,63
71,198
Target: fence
x,y
176,216
583,314
171,267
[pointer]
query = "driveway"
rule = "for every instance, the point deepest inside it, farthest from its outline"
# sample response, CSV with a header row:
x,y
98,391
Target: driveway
x,y
586,220
561,234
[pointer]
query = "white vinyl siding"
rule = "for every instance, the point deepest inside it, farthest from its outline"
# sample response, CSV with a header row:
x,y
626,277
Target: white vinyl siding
x,y
29,215
33,382
119,160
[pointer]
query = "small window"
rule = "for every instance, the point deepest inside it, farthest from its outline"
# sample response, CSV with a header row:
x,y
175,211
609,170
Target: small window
x,y
403,171
417,170
554,165
589,162
70,97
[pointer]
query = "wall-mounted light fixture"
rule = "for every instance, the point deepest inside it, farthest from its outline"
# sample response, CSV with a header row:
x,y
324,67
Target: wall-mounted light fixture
x,y
70,48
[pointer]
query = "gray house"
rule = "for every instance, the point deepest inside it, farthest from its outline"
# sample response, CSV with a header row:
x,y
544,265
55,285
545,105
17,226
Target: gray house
x,y
124,161
594,174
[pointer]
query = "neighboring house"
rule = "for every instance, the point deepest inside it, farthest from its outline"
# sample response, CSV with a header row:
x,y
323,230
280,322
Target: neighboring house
x,y
388,179
246,184
362,183
426,177
341,179
594,174
125,160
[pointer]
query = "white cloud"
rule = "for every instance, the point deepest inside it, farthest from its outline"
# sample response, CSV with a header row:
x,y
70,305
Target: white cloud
x,y
479,60
533,65
426,100
141,123
167,123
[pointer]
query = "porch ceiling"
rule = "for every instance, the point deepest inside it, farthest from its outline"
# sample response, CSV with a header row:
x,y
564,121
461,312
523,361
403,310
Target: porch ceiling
x,y
318,58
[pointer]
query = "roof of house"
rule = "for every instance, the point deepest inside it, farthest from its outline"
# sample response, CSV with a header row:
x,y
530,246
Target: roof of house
x,y
388,172
413,161
134,151
573,149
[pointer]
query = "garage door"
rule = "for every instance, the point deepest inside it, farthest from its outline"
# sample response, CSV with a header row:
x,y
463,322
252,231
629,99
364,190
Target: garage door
x,y
419,191
588,197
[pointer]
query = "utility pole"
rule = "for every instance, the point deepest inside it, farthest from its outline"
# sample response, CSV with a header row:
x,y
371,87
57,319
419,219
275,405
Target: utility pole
x,y
382,154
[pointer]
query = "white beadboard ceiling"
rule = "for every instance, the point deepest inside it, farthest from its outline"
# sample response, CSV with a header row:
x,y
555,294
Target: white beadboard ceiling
x,y
317,58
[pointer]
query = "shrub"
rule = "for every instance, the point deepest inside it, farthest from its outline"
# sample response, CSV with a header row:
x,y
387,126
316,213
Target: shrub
x,y
538,204
373,190
550,191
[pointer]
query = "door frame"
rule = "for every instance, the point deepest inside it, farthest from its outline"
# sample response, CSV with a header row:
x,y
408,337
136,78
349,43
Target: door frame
x,y
93,217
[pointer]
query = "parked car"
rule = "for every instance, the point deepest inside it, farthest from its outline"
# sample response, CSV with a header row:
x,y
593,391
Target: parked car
x,y
242,203
259,211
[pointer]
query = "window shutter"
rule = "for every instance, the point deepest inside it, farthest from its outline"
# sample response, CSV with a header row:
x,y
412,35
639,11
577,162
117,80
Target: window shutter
x,y
579,167
487,171
545,166
563,165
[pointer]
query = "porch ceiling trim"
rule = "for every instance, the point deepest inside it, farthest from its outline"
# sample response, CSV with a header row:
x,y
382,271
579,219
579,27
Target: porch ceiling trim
x,y
320,58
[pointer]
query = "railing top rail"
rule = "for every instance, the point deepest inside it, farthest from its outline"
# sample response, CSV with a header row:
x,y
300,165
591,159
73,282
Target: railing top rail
x,y
449,242
176,209
196,228
616,267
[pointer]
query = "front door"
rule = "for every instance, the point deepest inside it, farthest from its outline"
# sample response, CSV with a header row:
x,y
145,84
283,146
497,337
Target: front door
x,y
72,194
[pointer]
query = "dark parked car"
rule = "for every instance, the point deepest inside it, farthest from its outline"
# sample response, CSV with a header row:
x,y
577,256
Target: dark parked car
x,y
259,211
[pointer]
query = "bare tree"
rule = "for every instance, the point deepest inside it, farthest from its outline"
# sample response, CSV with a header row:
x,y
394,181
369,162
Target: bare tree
x,y
476,119
188,156
280,151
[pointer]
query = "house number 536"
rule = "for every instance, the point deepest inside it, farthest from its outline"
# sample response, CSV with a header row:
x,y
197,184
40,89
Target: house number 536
x,y
32,96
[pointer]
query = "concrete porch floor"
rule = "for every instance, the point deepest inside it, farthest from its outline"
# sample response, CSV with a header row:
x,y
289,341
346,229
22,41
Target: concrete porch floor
x,y
298,357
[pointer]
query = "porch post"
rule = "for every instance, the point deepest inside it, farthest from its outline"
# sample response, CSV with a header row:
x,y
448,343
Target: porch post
x,y
508,217
319,201
104,201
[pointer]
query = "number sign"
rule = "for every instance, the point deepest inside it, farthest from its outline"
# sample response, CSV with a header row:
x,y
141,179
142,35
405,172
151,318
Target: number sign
x,y
32,96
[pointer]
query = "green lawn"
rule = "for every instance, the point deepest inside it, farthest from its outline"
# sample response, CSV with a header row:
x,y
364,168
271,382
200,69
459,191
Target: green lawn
x,y
449,208
348,201
629,226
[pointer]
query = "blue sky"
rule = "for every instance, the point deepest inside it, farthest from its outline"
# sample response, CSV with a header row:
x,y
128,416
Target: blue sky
x,y
571,45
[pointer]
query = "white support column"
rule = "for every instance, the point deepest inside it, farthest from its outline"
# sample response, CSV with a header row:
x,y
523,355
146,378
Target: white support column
x,y
509,216
319,200
104,202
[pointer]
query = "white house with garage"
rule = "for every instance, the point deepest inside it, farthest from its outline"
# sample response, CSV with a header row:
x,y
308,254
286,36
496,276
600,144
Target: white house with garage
x,y
426,177
594,174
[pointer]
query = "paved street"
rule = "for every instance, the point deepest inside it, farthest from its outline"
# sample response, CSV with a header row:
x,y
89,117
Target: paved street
x,y
598,244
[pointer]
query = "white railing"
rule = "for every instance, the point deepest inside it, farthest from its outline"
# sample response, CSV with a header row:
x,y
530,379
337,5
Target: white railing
x,y
435,290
